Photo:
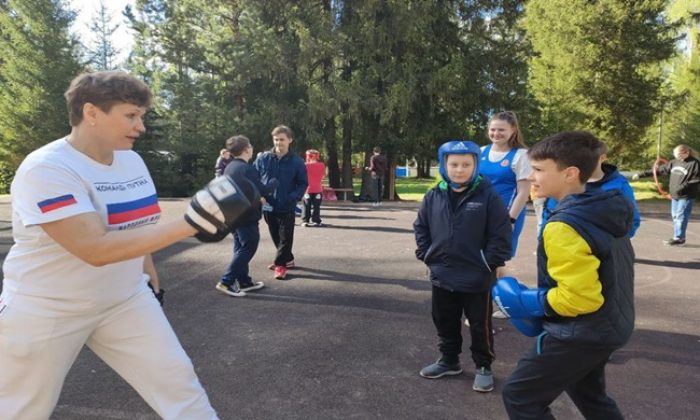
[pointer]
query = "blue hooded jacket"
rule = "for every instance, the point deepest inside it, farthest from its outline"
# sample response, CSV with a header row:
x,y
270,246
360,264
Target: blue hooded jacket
x,y
289,172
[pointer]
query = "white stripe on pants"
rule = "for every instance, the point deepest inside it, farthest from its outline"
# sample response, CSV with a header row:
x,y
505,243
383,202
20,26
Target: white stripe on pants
x,y
134,338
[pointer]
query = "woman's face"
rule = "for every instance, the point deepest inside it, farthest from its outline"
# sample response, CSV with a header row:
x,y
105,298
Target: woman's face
x,y
500,132
121,126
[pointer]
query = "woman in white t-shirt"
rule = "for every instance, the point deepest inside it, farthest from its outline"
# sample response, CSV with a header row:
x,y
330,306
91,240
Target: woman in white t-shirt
x,y
84,219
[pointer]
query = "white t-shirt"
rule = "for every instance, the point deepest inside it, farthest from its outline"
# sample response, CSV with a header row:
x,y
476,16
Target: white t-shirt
x,y
56,182
520,165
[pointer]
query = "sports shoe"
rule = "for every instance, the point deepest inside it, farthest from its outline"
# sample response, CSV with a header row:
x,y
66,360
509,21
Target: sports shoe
x,y
253,285
305,224
675,242
290,264
231,290
483,380
498,314
440,369
280,272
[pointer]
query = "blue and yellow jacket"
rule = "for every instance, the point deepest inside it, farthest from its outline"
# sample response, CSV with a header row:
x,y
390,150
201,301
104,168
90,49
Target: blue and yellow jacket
x,y
586,260
463,246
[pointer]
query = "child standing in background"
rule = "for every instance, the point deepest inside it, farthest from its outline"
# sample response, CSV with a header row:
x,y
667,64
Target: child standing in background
x,y
316,171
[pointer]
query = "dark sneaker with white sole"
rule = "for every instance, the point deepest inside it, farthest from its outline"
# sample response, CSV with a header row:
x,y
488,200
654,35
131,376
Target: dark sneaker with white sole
x,y
253,285
440,369
230,289
675,242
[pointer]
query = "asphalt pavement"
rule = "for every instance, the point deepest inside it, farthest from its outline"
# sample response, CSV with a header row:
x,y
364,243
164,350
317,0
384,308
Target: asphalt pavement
x,y
346,334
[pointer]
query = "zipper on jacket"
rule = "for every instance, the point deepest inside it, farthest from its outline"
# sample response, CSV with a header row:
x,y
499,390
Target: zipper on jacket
x,y
483,258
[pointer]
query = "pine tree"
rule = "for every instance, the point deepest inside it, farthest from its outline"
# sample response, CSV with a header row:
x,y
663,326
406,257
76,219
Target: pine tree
x,y
598,67
102,53
38,61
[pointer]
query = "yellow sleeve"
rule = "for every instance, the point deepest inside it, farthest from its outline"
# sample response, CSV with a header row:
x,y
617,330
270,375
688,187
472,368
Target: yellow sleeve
x,y
571,263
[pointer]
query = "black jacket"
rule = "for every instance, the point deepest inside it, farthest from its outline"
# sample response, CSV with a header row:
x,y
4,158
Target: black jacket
x,y
234,169
685,177
463,247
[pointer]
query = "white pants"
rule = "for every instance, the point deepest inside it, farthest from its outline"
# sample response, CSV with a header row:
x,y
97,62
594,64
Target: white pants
x,y
134,338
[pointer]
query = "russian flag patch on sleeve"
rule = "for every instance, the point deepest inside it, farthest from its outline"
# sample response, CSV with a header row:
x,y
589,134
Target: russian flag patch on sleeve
x,y
56,203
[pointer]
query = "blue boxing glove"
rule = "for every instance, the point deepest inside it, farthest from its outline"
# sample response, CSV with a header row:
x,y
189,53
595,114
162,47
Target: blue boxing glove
x,y
530,327
516,300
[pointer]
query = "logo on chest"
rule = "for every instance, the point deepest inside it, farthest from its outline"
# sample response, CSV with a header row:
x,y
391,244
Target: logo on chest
x,y
505,162
472,206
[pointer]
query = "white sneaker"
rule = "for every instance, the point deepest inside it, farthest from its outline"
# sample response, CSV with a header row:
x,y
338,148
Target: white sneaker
x,y
498,314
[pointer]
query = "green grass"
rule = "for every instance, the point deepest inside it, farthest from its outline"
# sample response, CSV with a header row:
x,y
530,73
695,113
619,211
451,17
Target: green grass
x,y
414,189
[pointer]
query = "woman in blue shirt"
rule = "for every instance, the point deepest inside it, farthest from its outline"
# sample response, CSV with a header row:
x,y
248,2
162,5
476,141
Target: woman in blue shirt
x,y
507,166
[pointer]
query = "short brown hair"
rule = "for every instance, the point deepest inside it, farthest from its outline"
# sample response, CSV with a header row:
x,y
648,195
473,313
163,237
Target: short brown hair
x,y
237,145
104,89
282,129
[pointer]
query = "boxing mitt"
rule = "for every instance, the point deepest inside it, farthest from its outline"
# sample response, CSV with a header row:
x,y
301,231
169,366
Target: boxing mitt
x,y
517,300
218,206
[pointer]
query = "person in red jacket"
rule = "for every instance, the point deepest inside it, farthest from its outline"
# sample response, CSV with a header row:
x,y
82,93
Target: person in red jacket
x,y
315,170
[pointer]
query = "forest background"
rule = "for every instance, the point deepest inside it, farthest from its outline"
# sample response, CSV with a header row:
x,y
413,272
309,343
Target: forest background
x,y
346,76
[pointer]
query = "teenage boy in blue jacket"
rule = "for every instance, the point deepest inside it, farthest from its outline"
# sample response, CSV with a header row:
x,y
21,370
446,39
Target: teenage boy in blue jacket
x,y
463,233
585,278
289,170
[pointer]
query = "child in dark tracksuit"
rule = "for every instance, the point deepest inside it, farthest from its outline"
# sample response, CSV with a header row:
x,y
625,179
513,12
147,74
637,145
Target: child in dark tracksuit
x,y
463,233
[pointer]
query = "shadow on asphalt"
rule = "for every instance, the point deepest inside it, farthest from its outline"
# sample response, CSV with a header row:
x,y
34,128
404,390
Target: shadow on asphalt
x,y
328,275
372,228
691,265
654,346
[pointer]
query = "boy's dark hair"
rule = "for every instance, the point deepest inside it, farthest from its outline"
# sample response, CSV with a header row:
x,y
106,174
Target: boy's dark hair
x,y
580,149
237,144
377,149
104,89
283,129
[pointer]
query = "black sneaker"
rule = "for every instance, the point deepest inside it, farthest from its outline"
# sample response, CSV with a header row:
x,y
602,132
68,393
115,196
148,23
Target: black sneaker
x,y
253,285
231,290
440,369
675,242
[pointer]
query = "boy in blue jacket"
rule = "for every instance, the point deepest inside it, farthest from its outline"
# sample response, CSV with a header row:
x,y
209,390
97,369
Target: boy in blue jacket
x,y
463,233
605,177
288,172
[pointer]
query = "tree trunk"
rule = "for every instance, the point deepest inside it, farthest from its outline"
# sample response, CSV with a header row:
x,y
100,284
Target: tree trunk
x,y
332,149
